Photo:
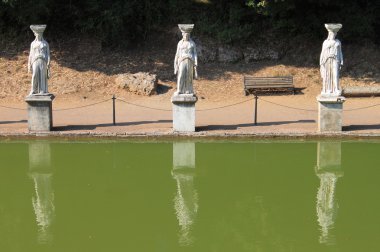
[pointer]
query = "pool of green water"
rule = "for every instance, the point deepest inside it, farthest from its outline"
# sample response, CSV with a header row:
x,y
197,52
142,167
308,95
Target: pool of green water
x,y
186,196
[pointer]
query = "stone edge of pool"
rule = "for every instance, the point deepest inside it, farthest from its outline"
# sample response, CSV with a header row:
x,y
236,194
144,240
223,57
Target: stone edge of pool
x,y
194,135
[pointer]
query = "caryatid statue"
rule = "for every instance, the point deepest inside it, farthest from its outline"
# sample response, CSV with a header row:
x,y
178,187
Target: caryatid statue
x,y
39,61
185,61
331,61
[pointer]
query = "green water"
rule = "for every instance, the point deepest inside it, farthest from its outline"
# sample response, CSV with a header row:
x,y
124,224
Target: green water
x,y
217,196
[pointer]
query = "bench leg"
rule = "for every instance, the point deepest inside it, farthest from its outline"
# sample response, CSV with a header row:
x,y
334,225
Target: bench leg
x,y
255,116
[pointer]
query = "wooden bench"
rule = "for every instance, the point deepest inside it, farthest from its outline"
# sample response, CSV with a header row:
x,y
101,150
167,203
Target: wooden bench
x,y
254,84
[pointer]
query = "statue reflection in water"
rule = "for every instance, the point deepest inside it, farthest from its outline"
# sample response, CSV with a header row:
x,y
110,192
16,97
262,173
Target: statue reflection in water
x,y
328,170
186,199
43,201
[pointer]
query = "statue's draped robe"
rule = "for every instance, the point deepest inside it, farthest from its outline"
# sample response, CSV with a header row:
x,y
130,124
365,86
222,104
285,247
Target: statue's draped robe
x,y
184,63
38,60
330,61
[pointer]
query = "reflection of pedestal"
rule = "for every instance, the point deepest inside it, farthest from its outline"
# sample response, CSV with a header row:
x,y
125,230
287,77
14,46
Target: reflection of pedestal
x,y
39,157
43,202
184,112
183,155
40,114
330,113
329,156
328,170
186,199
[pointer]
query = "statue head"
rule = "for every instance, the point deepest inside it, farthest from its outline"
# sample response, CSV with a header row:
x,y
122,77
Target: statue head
x,y
38,30
186,30
185,36
333,30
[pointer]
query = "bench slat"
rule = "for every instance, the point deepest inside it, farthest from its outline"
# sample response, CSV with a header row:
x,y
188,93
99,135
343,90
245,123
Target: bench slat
x,y
268,79
271,86
281,82
272,78
265,81
266,84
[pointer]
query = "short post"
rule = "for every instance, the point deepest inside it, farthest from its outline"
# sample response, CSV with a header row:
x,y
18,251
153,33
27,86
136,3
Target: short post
x,y
184,112
330,113
40,112
256,98
114,109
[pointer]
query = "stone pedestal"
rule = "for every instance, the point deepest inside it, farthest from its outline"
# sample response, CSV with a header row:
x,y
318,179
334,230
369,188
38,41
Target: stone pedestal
x,y
184,112
40,114
330,113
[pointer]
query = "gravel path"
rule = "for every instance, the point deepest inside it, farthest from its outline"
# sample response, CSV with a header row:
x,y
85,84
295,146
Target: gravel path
x,y
237,119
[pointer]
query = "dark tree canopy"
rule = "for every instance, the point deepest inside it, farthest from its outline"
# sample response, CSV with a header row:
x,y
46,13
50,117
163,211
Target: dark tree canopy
x,y
229,21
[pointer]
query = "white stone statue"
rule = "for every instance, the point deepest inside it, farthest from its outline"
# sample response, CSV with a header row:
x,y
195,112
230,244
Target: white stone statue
x,y
331,61
185,61
39,61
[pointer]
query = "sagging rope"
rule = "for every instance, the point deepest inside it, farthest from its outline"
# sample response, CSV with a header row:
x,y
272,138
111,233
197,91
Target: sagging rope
x,y
371,106
199,110
63,109
315,110
14,108
230,105
84,106
290,107
142,106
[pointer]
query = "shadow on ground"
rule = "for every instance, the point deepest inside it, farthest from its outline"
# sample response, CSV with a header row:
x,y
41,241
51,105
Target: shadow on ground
x,y
276,92
162,89
236,126
10,122
94,126
361,127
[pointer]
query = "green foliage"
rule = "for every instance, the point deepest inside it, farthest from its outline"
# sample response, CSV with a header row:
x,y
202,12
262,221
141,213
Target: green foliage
x,y
122,22
360,18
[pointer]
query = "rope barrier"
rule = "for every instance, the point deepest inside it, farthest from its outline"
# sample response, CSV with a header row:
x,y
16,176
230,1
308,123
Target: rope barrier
x,y
11,108
230,105
313,110
88,105
371,106
199,110
142,106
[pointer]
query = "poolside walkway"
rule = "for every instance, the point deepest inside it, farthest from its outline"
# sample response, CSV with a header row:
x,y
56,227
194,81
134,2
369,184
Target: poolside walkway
x,y
277,116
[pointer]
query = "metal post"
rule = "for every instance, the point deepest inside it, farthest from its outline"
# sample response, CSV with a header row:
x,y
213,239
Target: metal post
x,y
256,98
114,109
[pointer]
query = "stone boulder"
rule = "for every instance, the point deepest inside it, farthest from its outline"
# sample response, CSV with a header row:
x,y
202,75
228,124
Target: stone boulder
x,y
260,53
140,83
229,54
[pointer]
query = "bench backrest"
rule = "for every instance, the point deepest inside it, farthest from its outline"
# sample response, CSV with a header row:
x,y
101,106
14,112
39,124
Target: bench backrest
x,y
251,82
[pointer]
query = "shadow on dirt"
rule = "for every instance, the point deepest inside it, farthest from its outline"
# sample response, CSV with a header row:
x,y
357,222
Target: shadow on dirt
x,y
244,125
95,126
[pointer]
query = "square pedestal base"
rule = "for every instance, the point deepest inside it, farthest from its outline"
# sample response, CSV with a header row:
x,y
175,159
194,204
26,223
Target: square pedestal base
x,y
184,112
40,113
330,113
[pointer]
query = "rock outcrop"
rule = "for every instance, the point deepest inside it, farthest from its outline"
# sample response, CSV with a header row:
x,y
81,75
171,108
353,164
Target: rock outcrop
x,y
140,83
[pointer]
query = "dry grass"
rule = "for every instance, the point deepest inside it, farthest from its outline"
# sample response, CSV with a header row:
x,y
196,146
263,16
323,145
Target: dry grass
x,y
81,71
